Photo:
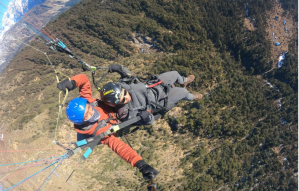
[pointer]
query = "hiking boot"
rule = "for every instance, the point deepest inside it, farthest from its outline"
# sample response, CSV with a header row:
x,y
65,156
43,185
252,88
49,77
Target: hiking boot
x,y
197,96
189,79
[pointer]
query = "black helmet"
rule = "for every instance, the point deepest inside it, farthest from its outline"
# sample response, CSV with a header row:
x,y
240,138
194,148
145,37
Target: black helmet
x,y
111,93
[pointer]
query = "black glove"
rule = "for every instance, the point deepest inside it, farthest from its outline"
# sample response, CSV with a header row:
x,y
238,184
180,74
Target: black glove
x,y
114,68
146,170
67,84
145,116
124,72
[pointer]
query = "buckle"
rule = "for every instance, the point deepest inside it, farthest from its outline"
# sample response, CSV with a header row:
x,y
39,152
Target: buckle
x,y
114,128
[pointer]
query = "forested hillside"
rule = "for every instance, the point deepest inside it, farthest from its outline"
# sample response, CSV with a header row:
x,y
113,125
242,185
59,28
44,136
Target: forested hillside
x,y
236,138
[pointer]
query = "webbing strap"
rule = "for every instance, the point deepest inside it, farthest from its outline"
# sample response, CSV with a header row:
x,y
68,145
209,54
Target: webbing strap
x,y
118,127
155,84
96,84
93,141
157,105
100,125
102,135
129,122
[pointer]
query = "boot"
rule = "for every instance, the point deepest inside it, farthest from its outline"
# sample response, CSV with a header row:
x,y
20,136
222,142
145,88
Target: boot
x,y
189,79
197,96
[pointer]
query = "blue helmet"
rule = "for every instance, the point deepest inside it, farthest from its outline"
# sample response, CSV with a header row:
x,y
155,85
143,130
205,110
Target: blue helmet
x,y
76,109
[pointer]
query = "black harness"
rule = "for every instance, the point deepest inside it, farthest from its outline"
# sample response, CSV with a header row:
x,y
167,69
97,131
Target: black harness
x,y
155,81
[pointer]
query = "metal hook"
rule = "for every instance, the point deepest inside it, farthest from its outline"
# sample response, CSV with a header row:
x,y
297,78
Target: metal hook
x,y
79,160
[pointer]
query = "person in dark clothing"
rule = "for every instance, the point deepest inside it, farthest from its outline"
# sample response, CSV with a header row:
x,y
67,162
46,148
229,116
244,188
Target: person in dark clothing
x,y
136,98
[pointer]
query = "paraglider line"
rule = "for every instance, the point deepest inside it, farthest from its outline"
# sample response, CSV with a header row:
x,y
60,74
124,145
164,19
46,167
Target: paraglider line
x,y
61,160
28,162
25,169
34,174
28,150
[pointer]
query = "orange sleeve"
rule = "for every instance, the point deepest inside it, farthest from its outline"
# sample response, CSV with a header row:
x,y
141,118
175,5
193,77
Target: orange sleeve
x,y
122,149
84,87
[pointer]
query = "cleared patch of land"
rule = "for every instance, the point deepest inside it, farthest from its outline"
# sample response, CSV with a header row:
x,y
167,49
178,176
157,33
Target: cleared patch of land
x,y
283,36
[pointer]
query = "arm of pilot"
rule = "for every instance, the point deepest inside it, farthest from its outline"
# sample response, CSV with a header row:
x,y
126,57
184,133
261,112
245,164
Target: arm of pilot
x,y
124,72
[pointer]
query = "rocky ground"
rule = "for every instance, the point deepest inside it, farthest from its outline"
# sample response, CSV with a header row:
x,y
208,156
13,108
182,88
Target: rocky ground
x,y
283,36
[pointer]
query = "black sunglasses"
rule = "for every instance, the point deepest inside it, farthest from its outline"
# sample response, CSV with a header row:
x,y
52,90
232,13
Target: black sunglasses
x,y
123,99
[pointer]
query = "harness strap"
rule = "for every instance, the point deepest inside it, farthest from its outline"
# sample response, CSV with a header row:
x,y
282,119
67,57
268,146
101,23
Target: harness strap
x,y
111,118
100,125
103,123
112,129
102,135
166,89
157,105
96,84
90,143
129,80
154,78
138,108
155,84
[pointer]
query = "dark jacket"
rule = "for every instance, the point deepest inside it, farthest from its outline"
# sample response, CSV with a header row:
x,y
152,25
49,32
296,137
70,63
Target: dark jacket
x,y
141,96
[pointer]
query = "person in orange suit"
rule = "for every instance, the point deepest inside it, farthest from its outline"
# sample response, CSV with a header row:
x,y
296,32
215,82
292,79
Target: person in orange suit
x,y
91,117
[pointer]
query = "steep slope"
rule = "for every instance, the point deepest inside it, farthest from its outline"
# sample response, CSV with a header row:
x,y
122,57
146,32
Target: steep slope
x,y
232,139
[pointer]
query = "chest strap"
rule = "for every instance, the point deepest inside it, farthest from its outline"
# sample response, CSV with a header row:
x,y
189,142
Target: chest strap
x,y
100,125
103,123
